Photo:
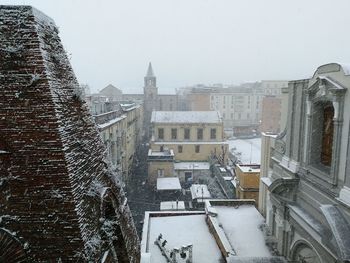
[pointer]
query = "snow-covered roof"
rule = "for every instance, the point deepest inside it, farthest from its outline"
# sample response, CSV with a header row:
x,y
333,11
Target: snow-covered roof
x,y
246,150
172,205
180,229
266,180
222,169
168,183
345,67
186,117
192,166
158,153
249,168
129,106
235,223
111,122
200,192
240,224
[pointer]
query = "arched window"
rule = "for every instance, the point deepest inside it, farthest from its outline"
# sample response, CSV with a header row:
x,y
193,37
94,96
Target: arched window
x,y
303,253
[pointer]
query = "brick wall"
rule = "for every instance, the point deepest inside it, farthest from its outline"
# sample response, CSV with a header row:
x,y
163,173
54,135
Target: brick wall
x,y
53,169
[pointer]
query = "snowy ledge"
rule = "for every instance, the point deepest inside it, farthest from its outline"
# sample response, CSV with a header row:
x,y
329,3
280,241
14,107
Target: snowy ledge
x,y
266,181
194,142
111,122
289,164
344,196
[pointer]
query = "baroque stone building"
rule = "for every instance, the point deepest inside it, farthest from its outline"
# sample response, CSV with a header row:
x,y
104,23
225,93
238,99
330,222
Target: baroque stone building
x,y
306,194
60,200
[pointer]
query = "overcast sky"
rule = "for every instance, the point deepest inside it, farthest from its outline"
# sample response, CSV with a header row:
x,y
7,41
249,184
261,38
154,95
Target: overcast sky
x,y
198,41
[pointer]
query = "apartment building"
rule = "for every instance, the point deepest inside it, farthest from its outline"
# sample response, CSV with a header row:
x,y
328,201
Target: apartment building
x,y
240,106
247,181
121,131
193,136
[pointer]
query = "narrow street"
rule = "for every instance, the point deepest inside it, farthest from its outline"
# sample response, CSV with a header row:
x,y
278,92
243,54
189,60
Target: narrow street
x,y
141,197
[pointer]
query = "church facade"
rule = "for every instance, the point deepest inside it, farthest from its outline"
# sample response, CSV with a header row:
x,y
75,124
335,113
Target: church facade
x,y
308,187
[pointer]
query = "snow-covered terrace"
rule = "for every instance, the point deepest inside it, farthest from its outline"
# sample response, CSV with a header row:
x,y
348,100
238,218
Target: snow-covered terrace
x,y
172,205
200,192
249,168
227,232
246,150
179,229
240,222
192,166
168,183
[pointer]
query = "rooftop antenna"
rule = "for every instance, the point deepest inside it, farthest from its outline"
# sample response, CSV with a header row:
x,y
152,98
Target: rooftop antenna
x,y
251,152
175,255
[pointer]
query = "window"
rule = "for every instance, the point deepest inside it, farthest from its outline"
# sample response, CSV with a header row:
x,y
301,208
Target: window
x,y
197,148
160,133
187,134
199,134
173,134
188,177
327,135
213,133
179,149
322,135
160,172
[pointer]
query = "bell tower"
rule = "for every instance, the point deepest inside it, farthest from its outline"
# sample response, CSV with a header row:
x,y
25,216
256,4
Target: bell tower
x,y
150,92
150,79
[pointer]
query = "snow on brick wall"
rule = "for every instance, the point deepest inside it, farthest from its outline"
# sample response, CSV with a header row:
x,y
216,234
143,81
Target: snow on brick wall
x,y
51,155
